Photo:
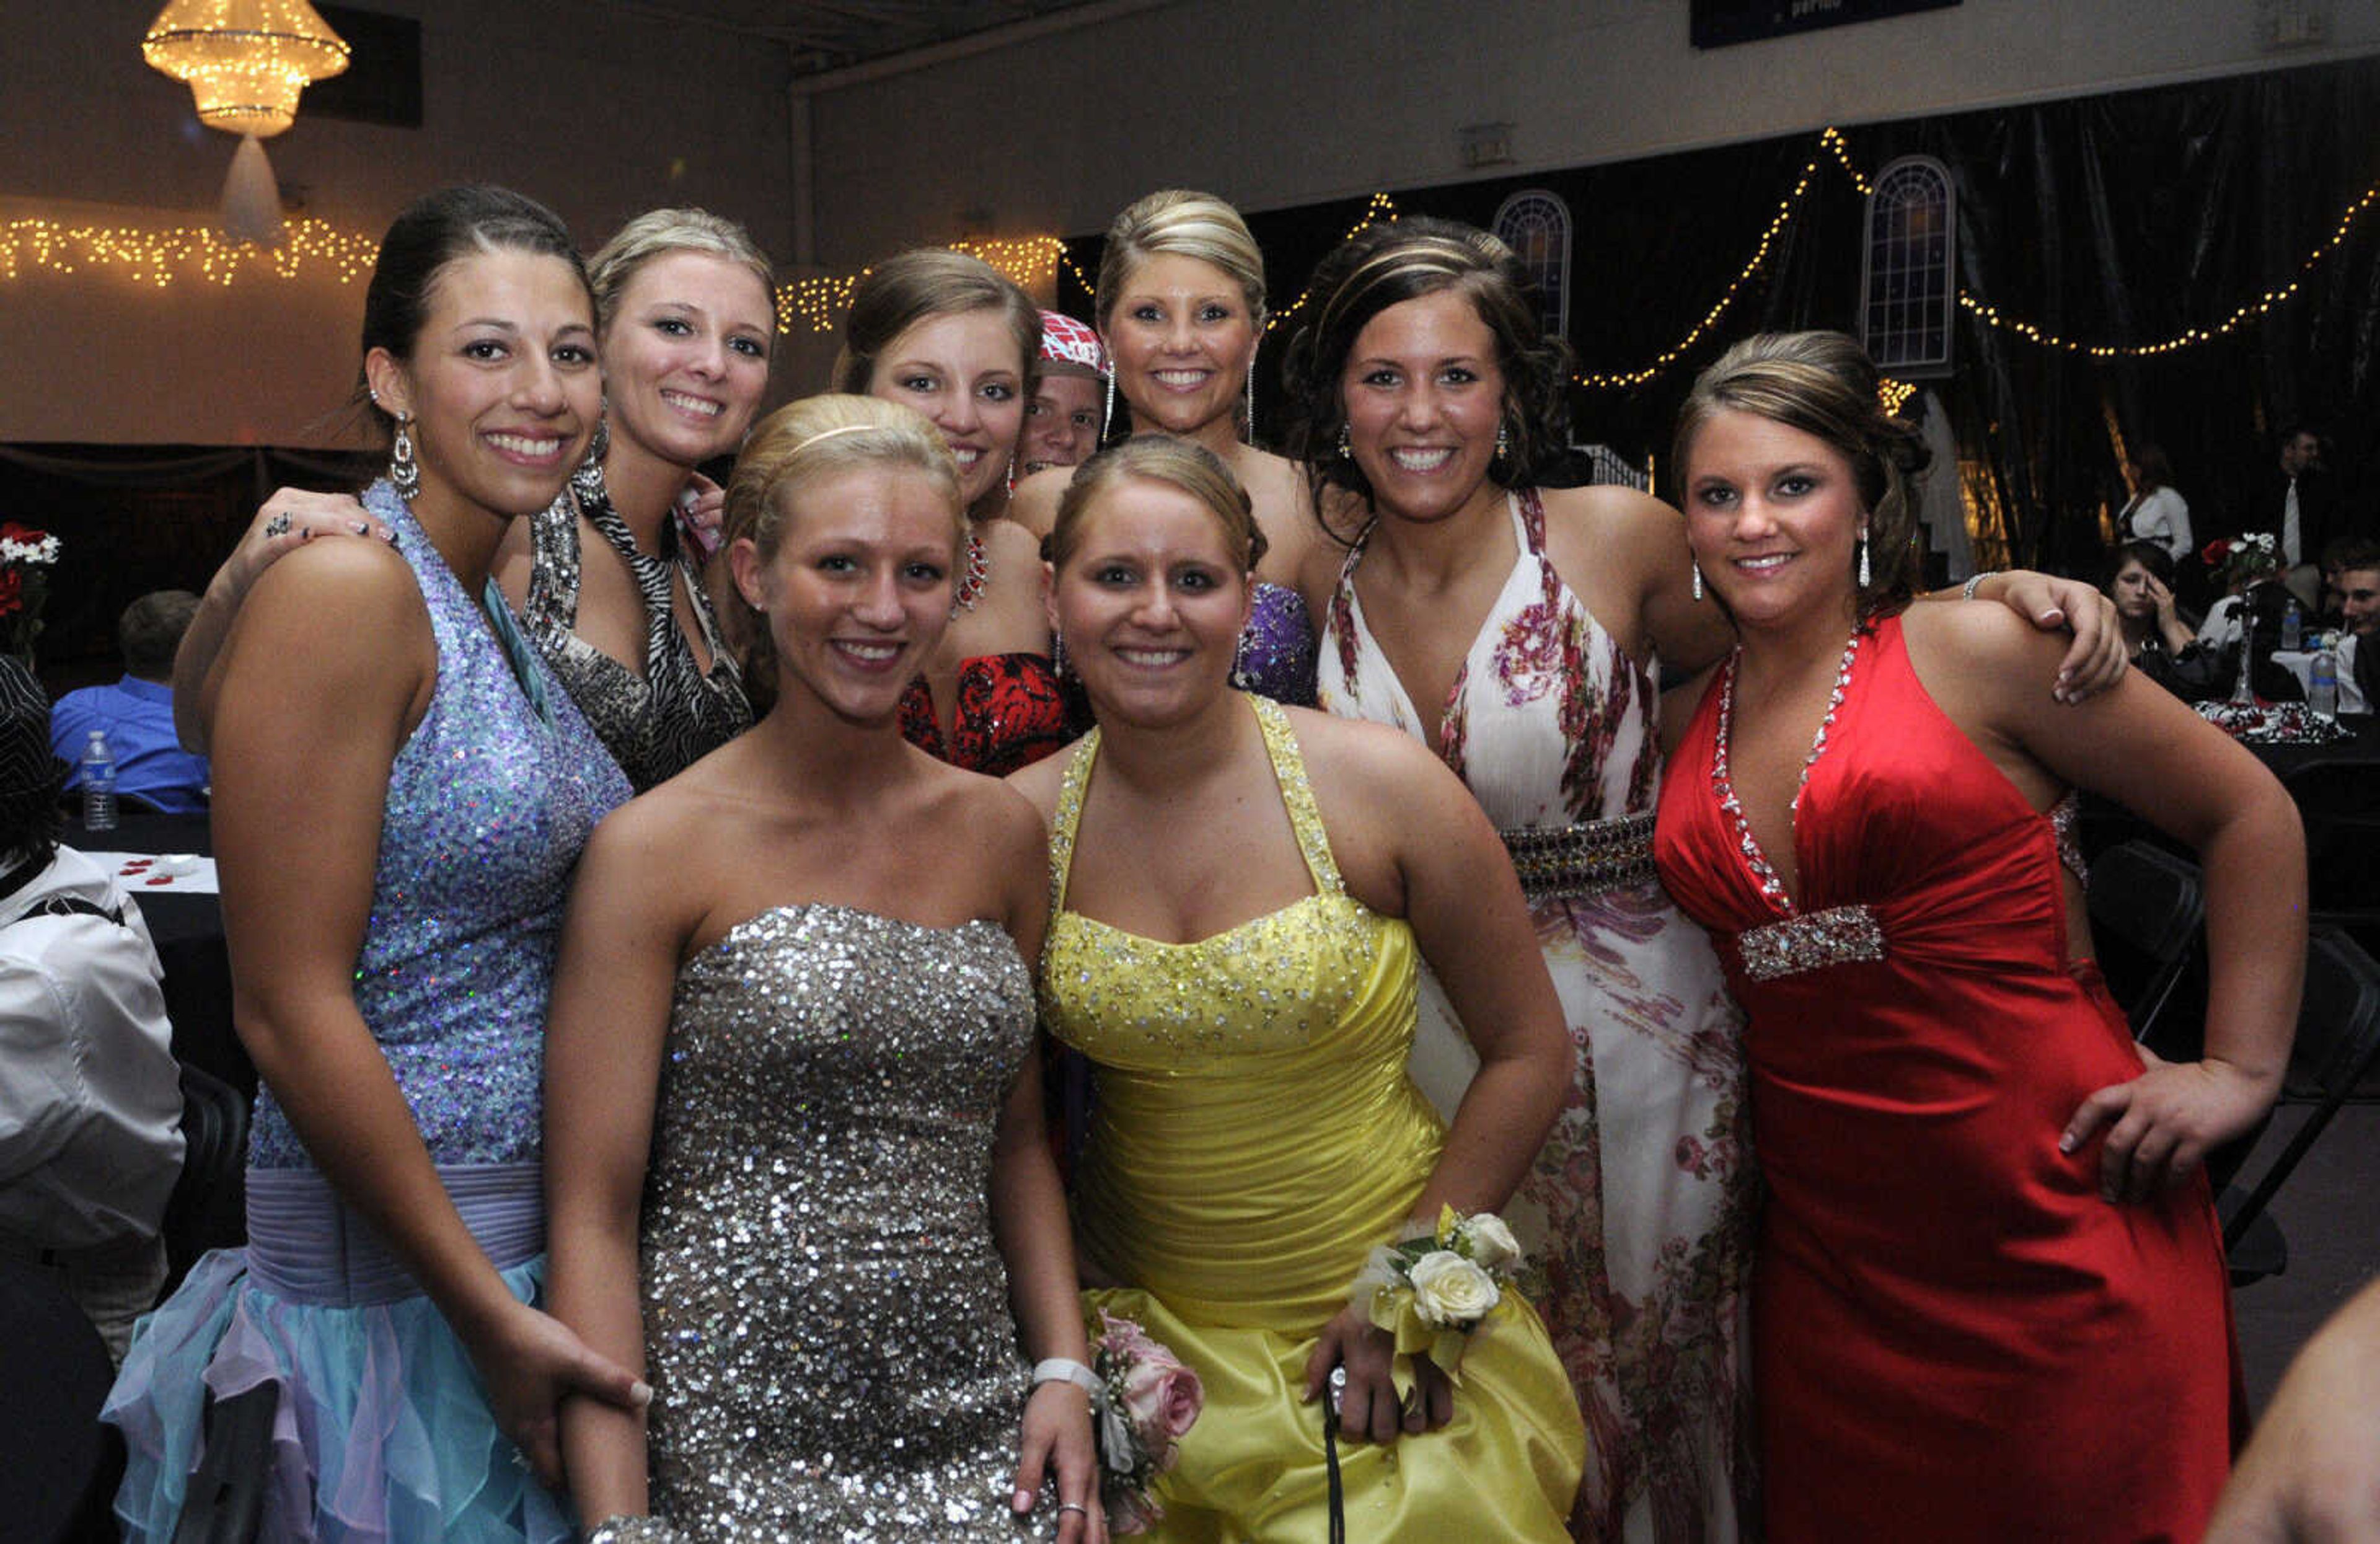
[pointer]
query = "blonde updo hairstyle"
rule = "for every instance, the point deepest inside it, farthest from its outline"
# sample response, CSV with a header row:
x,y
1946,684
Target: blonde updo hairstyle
x,y
1184,223
1823,385
660,232
1180,464
796,447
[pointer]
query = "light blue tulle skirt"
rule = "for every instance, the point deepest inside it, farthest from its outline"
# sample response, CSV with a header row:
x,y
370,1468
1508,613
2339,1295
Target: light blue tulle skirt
x,y
383,1433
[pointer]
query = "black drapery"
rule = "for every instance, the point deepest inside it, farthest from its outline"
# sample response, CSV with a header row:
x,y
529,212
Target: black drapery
x,y
2127,218
134,519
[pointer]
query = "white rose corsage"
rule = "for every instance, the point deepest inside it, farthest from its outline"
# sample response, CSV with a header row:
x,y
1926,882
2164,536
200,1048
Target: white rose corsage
x,y
1431,1291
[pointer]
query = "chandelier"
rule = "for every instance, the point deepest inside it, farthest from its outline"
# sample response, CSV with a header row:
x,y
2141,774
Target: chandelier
x,y
245,61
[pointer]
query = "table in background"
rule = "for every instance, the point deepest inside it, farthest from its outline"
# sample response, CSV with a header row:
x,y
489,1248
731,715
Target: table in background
x,y
188,932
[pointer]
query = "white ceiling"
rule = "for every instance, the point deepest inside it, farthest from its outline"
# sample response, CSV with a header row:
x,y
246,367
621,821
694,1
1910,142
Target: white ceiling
x,y
823,35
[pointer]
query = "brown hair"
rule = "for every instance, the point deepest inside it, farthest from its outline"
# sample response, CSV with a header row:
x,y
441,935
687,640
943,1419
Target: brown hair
x,y
1404,260
1823,385
899,292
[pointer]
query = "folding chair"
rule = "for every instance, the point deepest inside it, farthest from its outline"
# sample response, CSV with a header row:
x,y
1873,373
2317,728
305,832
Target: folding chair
x,y
2337,1046
208,1208
2150,904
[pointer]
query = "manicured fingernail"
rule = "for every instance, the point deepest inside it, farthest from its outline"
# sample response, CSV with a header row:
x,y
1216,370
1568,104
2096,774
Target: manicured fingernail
x,y
1021,1501
2065,1143
360,528
640,1394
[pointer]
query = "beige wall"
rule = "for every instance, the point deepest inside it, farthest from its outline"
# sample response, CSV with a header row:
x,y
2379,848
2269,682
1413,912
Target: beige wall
x,y
1274,105
561,99
602,113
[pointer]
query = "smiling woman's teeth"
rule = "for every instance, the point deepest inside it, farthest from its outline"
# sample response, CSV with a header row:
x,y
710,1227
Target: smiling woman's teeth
x,y
1149,656
692,405
1179,378
1422,460
523,444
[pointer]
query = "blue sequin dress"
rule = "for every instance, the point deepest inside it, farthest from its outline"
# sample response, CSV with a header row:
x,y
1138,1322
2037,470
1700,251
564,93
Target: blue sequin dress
x,y
382,1430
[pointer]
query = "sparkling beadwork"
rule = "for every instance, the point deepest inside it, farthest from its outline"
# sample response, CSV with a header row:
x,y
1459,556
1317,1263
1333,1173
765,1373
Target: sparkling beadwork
x,y
2065,827
1723,787
1840,935
1272,982
827,1327
487,809
1581,859
969,589
1276,655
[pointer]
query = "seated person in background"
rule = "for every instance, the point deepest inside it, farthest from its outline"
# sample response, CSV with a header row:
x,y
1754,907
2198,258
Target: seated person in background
x,y
91,1104
2359,607
136,713
2162,645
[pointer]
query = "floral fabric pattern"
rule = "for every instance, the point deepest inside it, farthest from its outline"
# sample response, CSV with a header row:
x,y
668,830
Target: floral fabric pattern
x,y
1638,1217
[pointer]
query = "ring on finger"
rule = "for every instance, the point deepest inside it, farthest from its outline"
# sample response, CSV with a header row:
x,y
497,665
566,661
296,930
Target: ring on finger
x,y
1065,1507
278,525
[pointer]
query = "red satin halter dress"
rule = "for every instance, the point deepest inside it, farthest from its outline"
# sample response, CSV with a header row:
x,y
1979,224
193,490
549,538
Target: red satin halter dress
x,y
1954,1338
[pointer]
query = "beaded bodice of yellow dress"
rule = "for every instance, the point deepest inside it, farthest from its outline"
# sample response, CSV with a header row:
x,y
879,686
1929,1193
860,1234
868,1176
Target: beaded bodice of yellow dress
x,y
1255,1136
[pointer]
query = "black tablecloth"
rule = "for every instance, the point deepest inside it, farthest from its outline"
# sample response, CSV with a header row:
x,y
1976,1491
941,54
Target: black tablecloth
x,y
188,932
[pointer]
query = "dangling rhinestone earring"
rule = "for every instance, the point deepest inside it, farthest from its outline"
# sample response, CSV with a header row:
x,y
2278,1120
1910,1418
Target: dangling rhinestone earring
x,y
1012,471
1346,447
599,445
1864,574
1503,440
1698,576
404,472
1252,396
1107,418
1057,651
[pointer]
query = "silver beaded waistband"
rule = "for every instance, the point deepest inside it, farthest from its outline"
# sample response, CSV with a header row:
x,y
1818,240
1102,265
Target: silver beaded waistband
x,y
1840,935
1581,859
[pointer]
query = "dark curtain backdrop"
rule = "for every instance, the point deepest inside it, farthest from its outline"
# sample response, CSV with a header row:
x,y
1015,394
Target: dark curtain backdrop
x,y
2127,218
135,519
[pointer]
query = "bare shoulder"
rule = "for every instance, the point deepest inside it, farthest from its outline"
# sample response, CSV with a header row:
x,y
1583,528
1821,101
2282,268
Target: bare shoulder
x,y
1038,783
1606,518
1370,761
1034,504
1005,540
335,599
999,818
1971,636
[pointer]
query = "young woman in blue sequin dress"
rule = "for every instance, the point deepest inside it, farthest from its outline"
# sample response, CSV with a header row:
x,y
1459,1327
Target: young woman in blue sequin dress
x,y
401,791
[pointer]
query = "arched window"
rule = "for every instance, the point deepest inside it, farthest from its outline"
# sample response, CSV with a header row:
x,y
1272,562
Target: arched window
x,y
1909,284
1536,225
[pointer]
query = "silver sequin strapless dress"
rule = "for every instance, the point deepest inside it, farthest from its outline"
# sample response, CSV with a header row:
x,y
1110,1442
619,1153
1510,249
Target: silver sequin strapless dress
x,y
827,1326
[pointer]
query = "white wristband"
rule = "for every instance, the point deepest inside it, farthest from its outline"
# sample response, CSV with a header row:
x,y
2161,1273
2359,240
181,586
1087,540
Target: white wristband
x,y
1066,1369
1969,592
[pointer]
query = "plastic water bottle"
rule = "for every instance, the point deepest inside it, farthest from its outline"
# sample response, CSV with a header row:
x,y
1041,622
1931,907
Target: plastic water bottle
x,y
98,784
2292,628
2322,677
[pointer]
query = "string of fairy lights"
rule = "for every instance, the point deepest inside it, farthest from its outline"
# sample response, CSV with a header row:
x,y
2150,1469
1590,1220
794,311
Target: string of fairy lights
x,y
160,257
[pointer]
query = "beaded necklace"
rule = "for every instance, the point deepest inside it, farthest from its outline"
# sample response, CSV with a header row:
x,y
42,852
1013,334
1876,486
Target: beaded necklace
x,y
979,568
1771,886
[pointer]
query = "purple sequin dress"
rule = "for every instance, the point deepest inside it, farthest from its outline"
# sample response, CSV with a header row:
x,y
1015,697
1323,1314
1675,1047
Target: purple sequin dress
x,y
382,1431
1276,657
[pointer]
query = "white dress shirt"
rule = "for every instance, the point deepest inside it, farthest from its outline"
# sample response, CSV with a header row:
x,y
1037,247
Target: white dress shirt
x,y
91,1101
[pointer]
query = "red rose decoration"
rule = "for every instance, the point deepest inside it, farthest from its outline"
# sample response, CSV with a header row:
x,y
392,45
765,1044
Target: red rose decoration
x,y
12,588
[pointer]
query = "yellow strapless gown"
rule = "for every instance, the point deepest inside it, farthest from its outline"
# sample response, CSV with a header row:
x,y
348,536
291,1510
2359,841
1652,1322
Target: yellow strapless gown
x,y
1255,1135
